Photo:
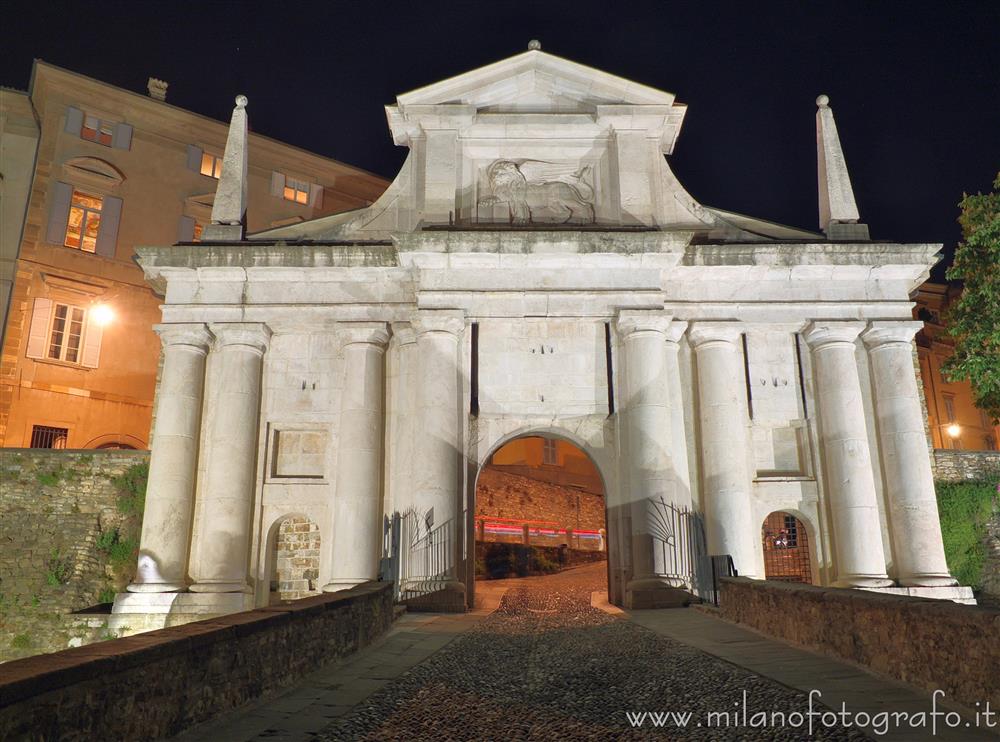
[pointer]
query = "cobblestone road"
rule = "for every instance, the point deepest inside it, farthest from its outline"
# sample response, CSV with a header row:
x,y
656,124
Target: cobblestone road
x,y
548,666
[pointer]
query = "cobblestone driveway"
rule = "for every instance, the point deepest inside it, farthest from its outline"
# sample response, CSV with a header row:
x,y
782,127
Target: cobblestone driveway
x,y
548,666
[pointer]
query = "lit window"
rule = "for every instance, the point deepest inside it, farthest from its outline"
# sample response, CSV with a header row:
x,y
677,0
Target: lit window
x,y
84,221
66,333
44,436
197,232
949,408
96,130
297,191
211,165
549,451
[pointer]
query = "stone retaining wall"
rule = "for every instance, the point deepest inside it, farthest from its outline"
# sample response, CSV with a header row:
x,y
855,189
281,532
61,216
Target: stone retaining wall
x,y
156,684
53,506
933,644
957,466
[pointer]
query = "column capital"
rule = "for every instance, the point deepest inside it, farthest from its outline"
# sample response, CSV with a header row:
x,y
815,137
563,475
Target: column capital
x,y
703,333
438,320
883,333
368,333
195,335
822,333
404,333
631,321
253,335
676,331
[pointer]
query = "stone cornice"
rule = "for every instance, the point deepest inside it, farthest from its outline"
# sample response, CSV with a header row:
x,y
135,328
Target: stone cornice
x,y
528,241
923,255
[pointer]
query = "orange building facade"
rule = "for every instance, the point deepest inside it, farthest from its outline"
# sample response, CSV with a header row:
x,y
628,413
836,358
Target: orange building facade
x,y
955,421
113,170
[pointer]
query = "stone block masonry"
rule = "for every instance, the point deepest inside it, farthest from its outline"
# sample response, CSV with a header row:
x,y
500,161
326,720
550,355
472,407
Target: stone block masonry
x,y
958,466
933,644
53,507
156,685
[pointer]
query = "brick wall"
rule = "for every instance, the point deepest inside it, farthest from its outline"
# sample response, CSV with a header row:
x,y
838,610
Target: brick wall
x,y
155,685
297,560
957,466
53,506
929,643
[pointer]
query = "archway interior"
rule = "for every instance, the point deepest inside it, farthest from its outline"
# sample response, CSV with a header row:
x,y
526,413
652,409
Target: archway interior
x,y
540,509
294,560
786,548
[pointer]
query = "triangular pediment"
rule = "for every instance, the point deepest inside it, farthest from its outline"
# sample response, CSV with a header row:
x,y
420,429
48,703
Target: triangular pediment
x,y
535,82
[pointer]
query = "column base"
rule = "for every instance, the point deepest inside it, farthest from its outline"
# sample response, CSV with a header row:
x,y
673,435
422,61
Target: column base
x,y
156,587
342,583
220,587
134,613
936,580
657,592
864,581
954,593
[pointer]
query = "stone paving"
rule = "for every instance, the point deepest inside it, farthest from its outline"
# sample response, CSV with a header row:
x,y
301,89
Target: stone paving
x,y
547,665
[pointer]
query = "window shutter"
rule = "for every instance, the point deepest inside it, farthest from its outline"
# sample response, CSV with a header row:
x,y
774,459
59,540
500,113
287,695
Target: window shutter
x,y
122,136
38,333
107,235
316,196
185,229
194,158
62,195
91,342
74,121
277,184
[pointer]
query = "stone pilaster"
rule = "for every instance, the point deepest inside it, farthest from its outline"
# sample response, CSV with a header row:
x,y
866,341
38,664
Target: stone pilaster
x,y
647,453
727,471
357,506
914,523
850,482
399,453
438,446
166,524
231,455
678,433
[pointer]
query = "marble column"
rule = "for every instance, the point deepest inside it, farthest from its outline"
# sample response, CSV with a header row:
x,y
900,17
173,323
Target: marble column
x,y
357,505
850,481
913,515
727,467
227,491
166,524
400,419
437,458
647,450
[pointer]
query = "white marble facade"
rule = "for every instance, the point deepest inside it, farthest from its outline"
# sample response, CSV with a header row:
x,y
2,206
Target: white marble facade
x,y
325,369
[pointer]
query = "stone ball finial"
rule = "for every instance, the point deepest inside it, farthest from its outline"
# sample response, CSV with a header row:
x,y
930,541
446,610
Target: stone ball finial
x,y
241,101
823,101
534,45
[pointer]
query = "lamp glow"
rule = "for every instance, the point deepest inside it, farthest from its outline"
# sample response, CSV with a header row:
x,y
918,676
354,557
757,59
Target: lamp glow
x,y
102,314
954,430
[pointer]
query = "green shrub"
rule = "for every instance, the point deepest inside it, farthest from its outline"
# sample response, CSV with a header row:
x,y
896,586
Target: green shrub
x,y
131,487
49,478
107,595
964,508
106,540
59,569
21,641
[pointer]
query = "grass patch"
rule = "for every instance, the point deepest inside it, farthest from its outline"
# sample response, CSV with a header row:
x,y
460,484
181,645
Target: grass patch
x,y
21,641
965,507
121,550
58,569
131,488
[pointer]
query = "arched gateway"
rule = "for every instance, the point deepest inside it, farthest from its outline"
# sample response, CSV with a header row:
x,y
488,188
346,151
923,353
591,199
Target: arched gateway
x,y
535,267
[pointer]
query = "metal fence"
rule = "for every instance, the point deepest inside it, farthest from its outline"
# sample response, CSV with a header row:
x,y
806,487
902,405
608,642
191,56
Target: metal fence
x,y
417,554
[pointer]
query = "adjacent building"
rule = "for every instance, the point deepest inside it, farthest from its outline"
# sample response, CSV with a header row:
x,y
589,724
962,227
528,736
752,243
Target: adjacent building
x,y
112,170
955,421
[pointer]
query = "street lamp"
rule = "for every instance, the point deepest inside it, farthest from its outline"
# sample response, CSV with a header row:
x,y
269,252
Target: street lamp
x,y
102,314
954,430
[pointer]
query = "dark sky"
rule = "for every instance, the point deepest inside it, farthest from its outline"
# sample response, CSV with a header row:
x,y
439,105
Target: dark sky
x,y
915,85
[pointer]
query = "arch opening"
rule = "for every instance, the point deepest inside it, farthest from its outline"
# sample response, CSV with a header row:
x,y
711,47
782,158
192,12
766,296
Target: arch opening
x,y
294,559
785,541
540,508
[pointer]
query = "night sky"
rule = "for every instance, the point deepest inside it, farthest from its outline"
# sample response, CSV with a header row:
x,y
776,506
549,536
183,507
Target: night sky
x,y
915,86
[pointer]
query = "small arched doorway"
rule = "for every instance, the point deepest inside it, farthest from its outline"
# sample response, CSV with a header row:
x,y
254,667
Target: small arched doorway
x,y
294,559
540,508
786,548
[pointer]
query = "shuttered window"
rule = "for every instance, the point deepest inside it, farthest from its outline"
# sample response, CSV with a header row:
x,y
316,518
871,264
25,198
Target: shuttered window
x,y
95,129
84,221
64,332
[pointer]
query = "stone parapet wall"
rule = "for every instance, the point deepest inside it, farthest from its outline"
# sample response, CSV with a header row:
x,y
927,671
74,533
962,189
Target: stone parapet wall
x,y
933,644
957,466
155,685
